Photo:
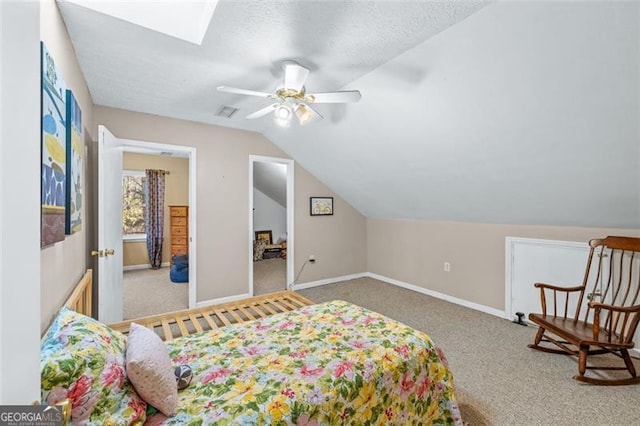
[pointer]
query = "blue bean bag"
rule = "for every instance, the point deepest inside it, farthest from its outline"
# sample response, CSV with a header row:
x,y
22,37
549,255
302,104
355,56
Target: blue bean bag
x,y
179,272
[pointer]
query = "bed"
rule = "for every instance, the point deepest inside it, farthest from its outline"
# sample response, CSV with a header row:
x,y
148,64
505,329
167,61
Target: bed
x,y
330,363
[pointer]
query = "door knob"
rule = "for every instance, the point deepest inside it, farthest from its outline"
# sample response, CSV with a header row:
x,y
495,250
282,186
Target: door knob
x,y
109,252
99,253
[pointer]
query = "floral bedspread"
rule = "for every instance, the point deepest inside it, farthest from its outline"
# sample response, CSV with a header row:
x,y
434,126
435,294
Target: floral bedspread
x,y
327,364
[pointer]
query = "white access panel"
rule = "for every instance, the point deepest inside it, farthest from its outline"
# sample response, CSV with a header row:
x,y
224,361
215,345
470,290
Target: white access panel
x,y
535,260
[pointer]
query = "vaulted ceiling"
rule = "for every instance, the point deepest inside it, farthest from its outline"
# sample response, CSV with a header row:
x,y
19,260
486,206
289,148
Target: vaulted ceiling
x,y
510,112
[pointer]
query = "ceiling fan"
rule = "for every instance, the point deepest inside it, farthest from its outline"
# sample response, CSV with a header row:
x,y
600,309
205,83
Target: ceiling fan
x,y
291,98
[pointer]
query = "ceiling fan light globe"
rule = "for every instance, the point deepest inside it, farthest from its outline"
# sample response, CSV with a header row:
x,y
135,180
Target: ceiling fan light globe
x,y
282,122
283,112
303,114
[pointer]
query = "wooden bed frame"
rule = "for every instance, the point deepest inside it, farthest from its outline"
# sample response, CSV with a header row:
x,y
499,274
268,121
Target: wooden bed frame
x,y
188,321
82,296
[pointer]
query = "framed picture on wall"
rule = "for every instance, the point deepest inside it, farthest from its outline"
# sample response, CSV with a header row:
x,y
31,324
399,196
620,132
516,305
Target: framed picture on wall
x,y
321,206
264,236
75,147
53,147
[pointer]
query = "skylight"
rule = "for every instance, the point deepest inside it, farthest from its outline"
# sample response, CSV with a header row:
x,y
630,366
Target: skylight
x,y
187,20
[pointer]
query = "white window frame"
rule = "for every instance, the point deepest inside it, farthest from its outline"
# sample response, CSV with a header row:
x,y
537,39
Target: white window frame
x,y
132,238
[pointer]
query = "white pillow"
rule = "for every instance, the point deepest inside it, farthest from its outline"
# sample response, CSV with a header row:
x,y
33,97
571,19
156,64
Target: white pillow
x,y
149,369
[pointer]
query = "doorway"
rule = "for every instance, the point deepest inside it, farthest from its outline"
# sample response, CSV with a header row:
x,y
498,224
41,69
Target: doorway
x,y
271,207
177,152
110,232
148,291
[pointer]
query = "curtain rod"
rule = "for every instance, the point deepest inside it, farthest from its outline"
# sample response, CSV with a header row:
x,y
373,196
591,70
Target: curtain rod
x,y
166,172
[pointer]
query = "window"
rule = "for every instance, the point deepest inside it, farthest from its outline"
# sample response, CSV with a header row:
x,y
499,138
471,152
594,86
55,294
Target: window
x,y
133,206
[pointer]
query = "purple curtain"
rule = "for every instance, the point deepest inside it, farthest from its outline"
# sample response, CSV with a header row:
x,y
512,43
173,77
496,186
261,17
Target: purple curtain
x,y
154,215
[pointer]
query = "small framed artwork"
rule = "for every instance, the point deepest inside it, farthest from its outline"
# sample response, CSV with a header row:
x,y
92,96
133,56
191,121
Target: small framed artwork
x,y
264,236
321,206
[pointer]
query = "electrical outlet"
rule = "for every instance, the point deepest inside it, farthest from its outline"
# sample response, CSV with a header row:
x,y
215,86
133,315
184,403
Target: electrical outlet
x,y
312,258
447,267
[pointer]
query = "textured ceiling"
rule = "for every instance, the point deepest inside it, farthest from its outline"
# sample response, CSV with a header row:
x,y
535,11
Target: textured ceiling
x,y
131,67
510,112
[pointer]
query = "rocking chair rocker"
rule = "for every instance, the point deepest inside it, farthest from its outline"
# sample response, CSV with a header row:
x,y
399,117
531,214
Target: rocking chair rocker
x,y
610,314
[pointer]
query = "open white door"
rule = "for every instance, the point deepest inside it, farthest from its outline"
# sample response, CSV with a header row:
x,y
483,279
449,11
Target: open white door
x,y
109,252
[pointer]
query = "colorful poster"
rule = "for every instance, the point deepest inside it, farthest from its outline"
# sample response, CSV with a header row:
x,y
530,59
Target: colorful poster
x,y
73,222
53,151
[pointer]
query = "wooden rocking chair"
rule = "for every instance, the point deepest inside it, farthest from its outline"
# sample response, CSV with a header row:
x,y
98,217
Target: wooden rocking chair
x,y
610,314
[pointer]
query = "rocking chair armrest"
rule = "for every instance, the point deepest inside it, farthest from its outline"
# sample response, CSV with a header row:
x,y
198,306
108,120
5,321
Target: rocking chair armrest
x,y
552,290
627,309
543,286
627,312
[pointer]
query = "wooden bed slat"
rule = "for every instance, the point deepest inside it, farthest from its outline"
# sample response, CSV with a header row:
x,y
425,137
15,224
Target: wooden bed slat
x,y
235,315
196,323
167,330
258,311
301,300
277,305
288,305
246,313
266,306
182,327
207,318
222,317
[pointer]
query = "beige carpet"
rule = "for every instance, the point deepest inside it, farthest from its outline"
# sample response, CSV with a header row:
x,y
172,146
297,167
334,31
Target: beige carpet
x,y
499,380
151,292
269,275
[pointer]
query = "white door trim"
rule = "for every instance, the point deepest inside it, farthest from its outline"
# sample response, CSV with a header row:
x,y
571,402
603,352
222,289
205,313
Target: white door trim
x,y
290,215
130,145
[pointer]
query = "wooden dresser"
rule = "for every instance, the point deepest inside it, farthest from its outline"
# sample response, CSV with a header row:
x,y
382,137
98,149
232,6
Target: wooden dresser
x,y
179,217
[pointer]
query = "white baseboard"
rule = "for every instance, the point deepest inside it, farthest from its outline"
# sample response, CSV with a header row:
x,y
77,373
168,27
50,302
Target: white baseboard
x,y
438,295
328,281
295,287
422,290
222,300
145,266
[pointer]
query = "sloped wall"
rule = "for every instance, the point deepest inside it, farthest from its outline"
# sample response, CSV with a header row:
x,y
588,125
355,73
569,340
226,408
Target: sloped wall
x,y
533,107
268,215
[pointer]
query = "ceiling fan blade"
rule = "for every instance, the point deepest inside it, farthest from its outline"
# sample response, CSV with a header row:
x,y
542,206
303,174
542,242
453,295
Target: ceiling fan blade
x,y
294,76
262,112
307,115
243,92
333,97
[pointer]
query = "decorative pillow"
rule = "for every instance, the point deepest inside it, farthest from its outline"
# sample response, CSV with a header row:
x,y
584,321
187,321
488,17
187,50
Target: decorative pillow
x,y
149,369
258,249
82,360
